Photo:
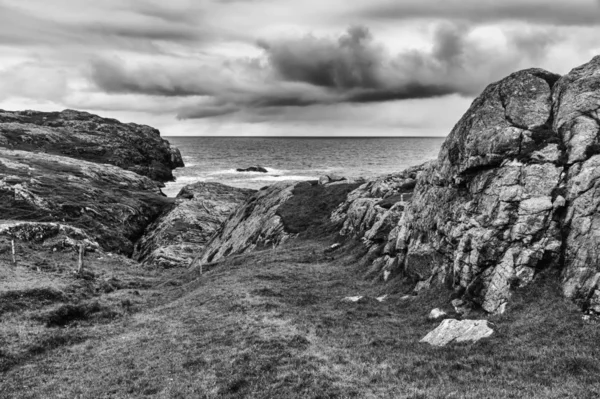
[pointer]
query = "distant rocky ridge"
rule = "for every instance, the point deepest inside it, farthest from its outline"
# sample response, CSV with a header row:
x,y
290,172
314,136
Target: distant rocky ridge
x,y
85,136
514,192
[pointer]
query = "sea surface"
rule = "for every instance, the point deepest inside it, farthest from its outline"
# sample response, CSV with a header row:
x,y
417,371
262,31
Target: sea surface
x,y
215,159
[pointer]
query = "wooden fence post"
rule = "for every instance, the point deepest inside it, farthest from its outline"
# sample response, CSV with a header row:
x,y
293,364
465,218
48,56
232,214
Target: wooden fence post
x,y
14,256
80,263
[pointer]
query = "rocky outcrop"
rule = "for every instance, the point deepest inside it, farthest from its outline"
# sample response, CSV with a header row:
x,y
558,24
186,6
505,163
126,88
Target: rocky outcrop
x,y
184,229
81,135
51,236
111,205
254,225
512,193
576,102
273,214
373,213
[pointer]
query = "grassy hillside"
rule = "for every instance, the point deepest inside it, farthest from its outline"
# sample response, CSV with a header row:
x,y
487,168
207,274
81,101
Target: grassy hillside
x,y
271,325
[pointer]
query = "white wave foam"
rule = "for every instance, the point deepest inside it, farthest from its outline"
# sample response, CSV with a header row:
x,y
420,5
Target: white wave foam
x,y
188,179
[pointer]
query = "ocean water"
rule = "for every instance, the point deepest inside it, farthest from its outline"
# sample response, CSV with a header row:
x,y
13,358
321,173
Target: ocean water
x,y
215,159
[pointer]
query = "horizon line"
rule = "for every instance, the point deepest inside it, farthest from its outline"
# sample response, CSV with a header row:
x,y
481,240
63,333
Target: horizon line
x,y
318,137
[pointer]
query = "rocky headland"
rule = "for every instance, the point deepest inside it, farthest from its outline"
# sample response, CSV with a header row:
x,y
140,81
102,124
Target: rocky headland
x,y
81,135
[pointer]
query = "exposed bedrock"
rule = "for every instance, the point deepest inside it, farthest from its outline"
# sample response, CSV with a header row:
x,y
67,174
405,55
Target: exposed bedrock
x,y
275,213
184,229
513,192
111,205
85,136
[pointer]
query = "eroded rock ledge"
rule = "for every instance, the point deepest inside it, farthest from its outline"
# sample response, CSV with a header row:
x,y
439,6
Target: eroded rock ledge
x,y
514,191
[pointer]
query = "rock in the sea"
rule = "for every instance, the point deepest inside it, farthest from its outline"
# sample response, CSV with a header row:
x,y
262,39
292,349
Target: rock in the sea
x,y
111,205
85,136
259,169
184,229
451,330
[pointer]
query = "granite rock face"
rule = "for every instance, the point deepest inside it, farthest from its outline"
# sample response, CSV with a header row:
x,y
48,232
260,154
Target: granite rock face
x,y
184,229
373,213
577,122
111,205
512,193
85,136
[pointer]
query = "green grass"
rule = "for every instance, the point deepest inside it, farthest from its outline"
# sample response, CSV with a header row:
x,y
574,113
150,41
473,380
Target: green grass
x,y
270,324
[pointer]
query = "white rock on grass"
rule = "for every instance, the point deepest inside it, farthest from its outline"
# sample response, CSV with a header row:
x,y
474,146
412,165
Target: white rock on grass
x,y
352,299
460,331
381,298
436,314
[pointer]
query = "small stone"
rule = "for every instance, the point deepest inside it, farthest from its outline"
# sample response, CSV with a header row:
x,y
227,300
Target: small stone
x,y
381,298
352,299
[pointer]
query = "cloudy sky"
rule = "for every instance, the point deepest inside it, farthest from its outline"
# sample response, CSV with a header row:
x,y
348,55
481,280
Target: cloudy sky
x,y
282,67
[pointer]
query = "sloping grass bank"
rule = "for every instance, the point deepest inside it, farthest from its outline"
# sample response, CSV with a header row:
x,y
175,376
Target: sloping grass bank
x,y
271,325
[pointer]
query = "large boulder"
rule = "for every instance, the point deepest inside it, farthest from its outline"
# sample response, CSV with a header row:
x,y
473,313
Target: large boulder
x,y
484,216
184,229
85,136
111,205
514,191
577,122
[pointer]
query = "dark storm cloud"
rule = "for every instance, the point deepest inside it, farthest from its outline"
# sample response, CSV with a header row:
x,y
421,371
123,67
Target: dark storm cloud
x,y
554,12
312,70
113,77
